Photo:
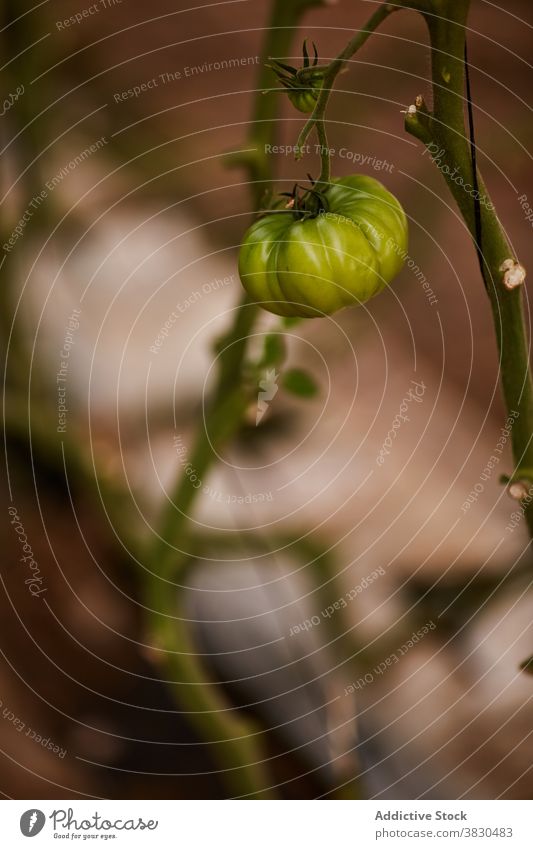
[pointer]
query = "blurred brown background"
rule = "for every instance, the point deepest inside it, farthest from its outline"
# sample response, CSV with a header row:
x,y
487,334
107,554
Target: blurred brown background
x,y
135,229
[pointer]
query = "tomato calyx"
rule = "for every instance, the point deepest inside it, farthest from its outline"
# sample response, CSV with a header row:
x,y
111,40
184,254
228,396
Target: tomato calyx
x,y
304,202
302,84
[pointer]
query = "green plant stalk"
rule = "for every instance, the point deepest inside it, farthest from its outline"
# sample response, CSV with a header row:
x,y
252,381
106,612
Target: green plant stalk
x,y
233,345
236,740
446,21
223,419
443,131
325,171
330,74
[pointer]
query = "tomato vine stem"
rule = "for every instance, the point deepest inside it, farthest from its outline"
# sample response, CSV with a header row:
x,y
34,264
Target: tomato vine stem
x,y
237,742
330,73
443,131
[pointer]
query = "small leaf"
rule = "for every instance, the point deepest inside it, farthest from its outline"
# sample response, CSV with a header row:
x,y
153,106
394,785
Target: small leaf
x,y
300,383
274,350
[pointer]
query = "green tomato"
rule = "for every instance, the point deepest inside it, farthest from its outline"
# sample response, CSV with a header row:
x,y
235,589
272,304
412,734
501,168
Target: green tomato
x,y
314,266
304,99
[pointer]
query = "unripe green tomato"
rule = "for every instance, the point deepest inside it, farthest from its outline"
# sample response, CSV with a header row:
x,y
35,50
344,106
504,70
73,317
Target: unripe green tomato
x,y
315,266
304,99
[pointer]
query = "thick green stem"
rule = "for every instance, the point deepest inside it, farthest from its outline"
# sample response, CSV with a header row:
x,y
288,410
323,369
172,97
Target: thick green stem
x,y
222,422
443,132
285,17
236,741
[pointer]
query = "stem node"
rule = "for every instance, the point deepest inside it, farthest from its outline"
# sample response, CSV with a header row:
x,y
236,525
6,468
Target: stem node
x,y
518,490
514,274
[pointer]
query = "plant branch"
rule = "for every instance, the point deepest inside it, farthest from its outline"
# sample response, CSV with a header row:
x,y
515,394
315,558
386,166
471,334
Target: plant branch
x,y
331,72
325,171
236,740
443,132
